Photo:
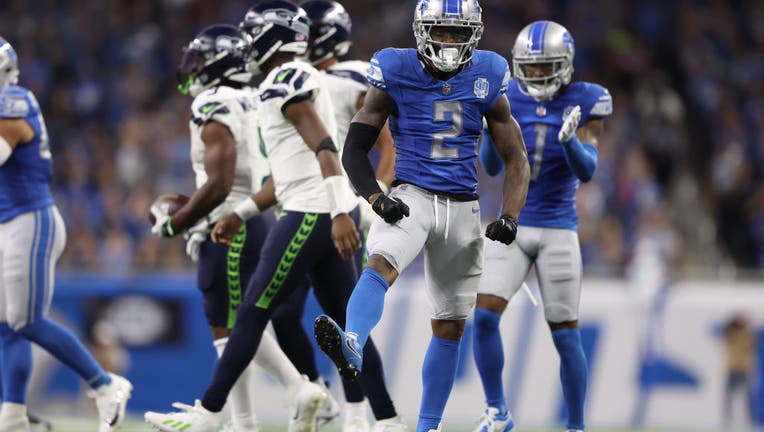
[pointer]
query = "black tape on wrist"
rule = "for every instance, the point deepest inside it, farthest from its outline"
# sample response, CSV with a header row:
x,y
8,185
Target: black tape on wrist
x,y
326,144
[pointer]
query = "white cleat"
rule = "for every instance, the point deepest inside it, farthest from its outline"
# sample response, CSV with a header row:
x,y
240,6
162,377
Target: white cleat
x,y
356,419
493,421
329,410
395,424
19,424
189,419
309,399
229,427
440,425
111,402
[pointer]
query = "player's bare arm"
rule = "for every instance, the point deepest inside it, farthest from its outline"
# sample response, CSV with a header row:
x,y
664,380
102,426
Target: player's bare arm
x,y
305,119
227,227
12,133
509,142
220,166
384,145
591,131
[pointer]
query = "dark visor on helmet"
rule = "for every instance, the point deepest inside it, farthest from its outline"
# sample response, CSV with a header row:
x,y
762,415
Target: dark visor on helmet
x,y
190,65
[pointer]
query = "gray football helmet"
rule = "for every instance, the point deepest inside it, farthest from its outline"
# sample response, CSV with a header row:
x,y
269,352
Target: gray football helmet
x,y
9,66
543,43
462,17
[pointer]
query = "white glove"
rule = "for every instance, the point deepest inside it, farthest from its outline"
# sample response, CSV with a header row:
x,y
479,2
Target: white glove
x,y
160,219
568,128
195,236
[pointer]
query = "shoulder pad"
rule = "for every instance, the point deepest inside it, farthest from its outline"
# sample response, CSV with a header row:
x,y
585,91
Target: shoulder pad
x,y
289,80
384,64
354,70
497,73
501,68
602,101
211,102
17,102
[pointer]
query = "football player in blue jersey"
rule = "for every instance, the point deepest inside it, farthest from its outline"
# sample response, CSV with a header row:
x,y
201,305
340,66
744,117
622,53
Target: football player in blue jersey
x,y
32,237
435,97
561,123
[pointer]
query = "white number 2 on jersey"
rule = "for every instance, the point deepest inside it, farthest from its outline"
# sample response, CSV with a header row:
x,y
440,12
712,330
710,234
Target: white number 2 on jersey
x,y
438,149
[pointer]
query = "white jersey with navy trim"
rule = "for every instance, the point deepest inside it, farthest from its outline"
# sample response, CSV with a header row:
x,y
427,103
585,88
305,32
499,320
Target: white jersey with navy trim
x,y
295,169
236,110
347,82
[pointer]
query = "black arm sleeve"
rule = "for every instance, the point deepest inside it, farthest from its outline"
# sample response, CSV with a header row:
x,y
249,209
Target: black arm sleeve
x,y
360,140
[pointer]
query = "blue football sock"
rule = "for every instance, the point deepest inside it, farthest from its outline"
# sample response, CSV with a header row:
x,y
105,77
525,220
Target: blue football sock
x,y
438,374
572,374
489,357
366,304
64,346
16,358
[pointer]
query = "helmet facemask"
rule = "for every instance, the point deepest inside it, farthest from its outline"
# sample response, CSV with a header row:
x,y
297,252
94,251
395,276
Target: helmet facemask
x,y
447,44
273,30
205,65
9,69
556,72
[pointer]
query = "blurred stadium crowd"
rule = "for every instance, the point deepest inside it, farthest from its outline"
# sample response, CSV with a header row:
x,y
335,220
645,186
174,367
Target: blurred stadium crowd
x,y
681,163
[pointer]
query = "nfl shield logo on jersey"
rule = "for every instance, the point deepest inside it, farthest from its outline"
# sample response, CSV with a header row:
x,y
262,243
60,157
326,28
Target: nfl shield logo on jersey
x,y
481,88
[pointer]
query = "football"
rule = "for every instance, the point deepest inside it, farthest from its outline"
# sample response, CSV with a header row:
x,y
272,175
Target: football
x,y
167,204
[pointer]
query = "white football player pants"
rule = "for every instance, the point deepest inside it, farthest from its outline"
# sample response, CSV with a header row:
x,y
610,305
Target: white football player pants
x,y
30,245
451,235
557,256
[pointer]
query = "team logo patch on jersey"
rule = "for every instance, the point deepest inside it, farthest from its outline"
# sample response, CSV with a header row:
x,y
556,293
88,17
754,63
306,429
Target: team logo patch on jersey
x,y
481,88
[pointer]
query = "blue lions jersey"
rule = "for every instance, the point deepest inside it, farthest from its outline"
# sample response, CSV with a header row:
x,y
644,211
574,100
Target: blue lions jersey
x,y
24,177
437,124
551,201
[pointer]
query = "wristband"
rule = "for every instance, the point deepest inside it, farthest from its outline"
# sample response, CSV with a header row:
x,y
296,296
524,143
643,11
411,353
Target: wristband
x,y
326,144
341,196
246,209
5,150
382,185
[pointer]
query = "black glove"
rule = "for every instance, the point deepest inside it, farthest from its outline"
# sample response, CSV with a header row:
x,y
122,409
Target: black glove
x,y
503,230
390,209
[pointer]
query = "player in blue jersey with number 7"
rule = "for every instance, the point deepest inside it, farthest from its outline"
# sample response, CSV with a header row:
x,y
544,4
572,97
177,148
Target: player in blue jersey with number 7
x,y
561,123
32,237
435,97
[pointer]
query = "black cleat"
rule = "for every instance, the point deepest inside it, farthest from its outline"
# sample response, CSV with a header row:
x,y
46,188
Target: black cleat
x,y
343,351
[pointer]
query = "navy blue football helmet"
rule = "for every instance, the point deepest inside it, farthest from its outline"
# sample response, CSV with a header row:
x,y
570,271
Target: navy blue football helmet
x,y
214,57
330,27
273,26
